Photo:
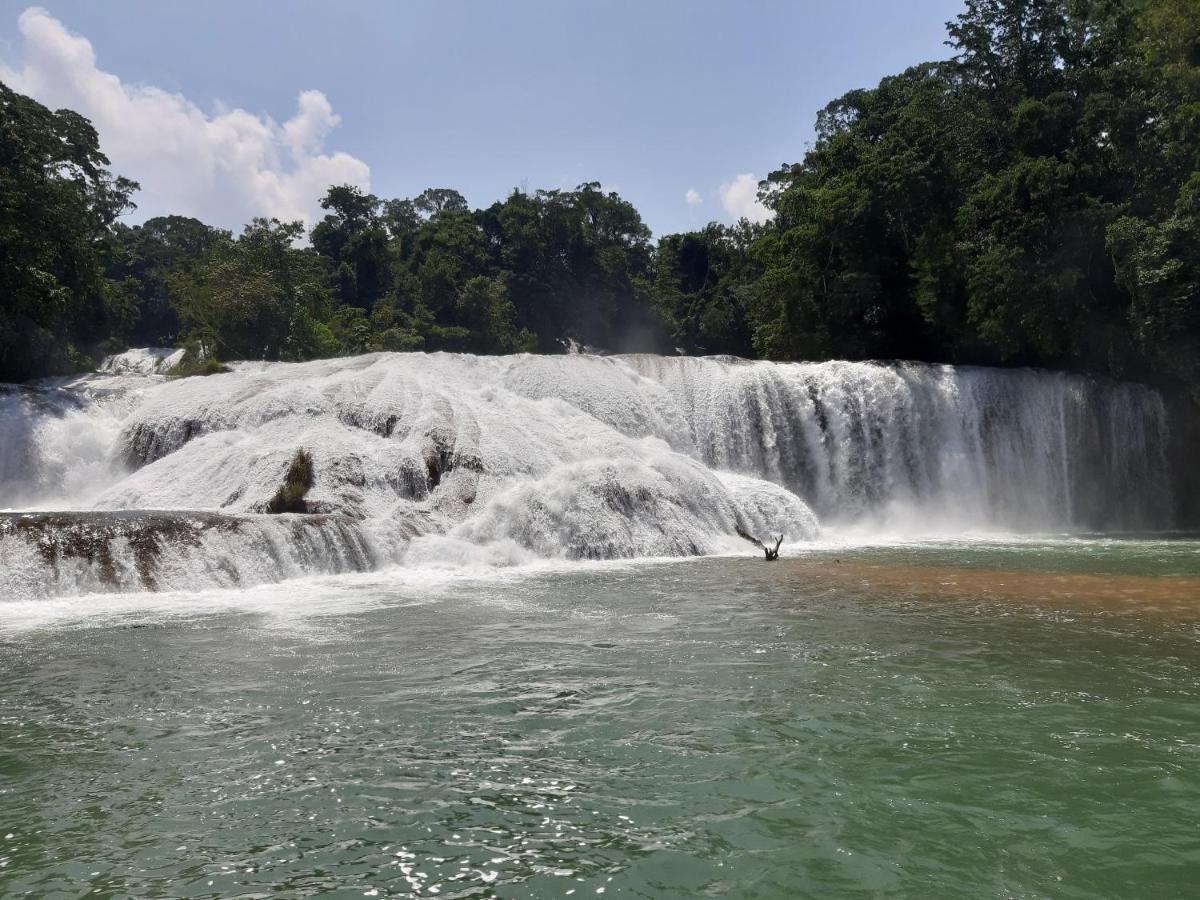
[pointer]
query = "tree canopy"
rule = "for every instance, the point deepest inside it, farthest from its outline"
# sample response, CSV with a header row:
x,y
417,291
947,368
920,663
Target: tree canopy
x,y
1029,201
58,202
1035,199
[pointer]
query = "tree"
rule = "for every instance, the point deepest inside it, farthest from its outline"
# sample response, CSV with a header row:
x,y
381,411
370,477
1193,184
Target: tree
x,y
145,257
1011,49
578,265
485,309
259,297
57,202
848,266
435,201
1022,203
1033,200
701,287
353,237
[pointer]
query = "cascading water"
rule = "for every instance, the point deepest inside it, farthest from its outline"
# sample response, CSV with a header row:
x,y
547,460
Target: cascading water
x,y
906,443
446,459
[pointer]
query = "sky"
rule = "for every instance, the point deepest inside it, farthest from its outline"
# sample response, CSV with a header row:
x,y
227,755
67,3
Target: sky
x,y
226,110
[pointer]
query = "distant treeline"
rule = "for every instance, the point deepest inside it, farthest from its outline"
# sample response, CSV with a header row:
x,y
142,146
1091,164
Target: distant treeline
x,y
1034,200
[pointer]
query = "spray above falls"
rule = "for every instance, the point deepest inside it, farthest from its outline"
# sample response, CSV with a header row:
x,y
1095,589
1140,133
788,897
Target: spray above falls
x,y
454,460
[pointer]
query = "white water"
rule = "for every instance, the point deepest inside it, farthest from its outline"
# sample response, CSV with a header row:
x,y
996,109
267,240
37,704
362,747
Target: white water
x,y
456,461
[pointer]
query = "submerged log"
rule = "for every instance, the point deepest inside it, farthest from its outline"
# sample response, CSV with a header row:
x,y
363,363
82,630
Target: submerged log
x,y
772,553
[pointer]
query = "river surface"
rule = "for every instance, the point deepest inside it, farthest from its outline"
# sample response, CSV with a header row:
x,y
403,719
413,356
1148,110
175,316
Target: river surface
x,y
949,720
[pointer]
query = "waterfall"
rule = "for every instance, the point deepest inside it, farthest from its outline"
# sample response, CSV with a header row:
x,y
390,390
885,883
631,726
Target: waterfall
x,y
80,552
1013,449
136,481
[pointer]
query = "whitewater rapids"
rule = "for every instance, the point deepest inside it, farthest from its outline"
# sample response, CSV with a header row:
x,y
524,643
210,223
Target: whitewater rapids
x,y
128,480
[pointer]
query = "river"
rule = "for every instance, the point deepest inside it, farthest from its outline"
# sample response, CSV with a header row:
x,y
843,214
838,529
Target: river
x,y
517,649
858,720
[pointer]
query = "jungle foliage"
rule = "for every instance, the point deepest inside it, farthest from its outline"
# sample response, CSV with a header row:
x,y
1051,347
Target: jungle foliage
x,y
1035,199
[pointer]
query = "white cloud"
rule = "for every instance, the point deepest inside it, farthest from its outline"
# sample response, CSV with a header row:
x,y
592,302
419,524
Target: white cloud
x,y
740,199
693,197
223,168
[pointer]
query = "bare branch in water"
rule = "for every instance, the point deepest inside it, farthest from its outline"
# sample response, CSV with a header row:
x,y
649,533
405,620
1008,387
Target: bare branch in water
x,y
771,553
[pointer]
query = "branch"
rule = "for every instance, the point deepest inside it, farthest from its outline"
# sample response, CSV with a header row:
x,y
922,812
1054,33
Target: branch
x,y
749,537
770,553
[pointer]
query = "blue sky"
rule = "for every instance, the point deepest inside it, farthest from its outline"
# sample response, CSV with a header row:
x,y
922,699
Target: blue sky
x,y
202,102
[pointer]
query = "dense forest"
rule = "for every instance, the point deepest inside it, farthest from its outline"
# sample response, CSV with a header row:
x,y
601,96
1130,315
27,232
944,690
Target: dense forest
x,y
1035,199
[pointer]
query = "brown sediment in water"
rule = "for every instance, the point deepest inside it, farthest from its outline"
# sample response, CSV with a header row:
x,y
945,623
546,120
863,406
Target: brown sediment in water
x,y
1167,594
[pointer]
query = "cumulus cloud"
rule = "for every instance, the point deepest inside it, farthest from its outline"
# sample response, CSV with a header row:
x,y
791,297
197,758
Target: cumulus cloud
x,y
223,167
693,197
740,199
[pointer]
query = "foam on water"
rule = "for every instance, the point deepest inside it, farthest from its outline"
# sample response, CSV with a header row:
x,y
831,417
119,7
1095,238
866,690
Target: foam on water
x,y
457,462
431,568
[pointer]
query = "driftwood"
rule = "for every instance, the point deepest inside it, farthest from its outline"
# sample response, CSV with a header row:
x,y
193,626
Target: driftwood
x,y
771,552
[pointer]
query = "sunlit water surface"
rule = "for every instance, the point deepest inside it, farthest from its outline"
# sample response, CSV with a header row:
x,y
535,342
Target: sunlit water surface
x,y
982,720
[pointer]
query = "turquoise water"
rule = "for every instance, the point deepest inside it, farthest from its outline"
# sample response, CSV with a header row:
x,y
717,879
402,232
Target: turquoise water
x,y
870,722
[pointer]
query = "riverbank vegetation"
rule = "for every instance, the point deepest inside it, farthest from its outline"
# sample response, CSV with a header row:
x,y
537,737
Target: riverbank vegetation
x,y
1033,200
